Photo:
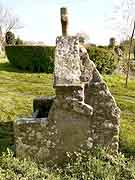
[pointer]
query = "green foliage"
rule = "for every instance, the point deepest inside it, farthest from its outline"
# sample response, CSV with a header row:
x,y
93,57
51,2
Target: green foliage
x,y
97,165
12,168
83,37
18,90
125,45
134,52
6,135
132,65
18,41
124,48
103,47
125,98
41,59
10,38
112,42
32,58
104,59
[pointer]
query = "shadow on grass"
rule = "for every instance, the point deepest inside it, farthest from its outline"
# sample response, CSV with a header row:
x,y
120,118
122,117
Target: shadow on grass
x,y
8,67
6,136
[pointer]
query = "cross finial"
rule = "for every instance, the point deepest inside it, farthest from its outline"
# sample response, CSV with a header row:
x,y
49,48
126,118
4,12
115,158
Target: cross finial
x,y
64,20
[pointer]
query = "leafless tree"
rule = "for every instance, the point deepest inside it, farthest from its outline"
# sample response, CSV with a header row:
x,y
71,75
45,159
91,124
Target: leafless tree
x,y
8,21
129,55
123,20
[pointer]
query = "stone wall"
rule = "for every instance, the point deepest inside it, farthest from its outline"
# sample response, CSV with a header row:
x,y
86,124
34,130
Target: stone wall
x,y
105,119
30,138
83,114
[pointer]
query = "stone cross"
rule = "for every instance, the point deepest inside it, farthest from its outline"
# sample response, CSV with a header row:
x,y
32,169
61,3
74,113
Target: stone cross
x,y
64,20
79,116
67,59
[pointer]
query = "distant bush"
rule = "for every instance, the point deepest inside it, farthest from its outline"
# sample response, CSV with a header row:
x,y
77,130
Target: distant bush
x,y
103,47
18,41
10,38
41,58
32,58
104,59
112,43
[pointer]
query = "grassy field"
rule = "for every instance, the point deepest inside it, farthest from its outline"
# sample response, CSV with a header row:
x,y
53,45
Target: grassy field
x,y
18,89
125,98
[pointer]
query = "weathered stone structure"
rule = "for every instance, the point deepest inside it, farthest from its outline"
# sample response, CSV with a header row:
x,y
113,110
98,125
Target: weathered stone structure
x,y
82,115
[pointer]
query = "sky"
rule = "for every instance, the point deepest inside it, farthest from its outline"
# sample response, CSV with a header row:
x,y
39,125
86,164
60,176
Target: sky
x,y
41,19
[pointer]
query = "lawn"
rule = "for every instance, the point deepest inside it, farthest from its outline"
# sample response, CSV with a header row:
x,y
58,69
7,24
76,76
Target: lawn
x,y
18,89
125,98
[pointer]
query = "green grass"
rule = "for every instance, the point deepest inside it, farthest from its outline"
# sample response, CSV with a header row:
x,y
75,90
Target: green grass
x,y
18,89
125,98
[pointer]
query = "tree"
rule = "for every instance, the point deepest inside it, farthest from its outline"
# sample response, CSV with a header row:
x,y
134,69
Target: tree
x,y
124,22
83,37
129,54
124,45
10,38
112,42
8,21
18,41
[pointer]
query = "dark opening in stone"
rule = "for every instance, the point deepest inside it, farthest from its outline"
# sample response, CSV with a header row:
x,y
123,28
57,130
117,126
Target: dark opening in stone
x,y
42,105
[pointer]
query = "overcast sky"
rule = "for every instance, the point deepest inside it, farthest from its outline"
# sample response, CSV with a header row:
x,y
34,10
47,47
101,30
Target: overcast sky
x,y
41,18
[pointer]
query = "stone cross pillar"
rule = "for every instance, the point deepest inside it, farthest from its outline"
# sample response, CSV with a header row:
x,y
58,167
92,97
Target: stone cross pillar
x,y
79,116
67,61
69,114
64,20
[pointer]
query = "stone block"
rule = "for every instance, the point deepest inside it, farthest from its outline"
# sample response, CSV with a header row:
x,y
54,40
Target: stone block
x,y
67,61
31,138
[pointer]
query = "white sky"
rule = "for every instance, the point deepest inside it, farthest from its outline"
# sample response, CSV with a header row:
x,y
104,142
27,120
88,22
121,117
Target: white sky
x,y
41,19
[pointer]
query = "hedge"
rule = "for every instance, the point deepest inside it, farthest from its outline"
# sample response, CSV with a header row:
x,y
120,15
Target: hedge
x,y
32,58
104,59
41,58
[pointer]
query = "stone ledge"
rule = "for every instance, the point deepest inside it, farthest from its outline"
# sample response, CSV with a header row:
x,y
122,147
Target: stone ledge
x,y
69,85
22,121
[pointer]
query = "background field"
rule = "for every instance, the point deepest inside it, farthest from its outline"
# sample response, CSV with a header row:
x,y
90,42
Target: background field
x,y
17,90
